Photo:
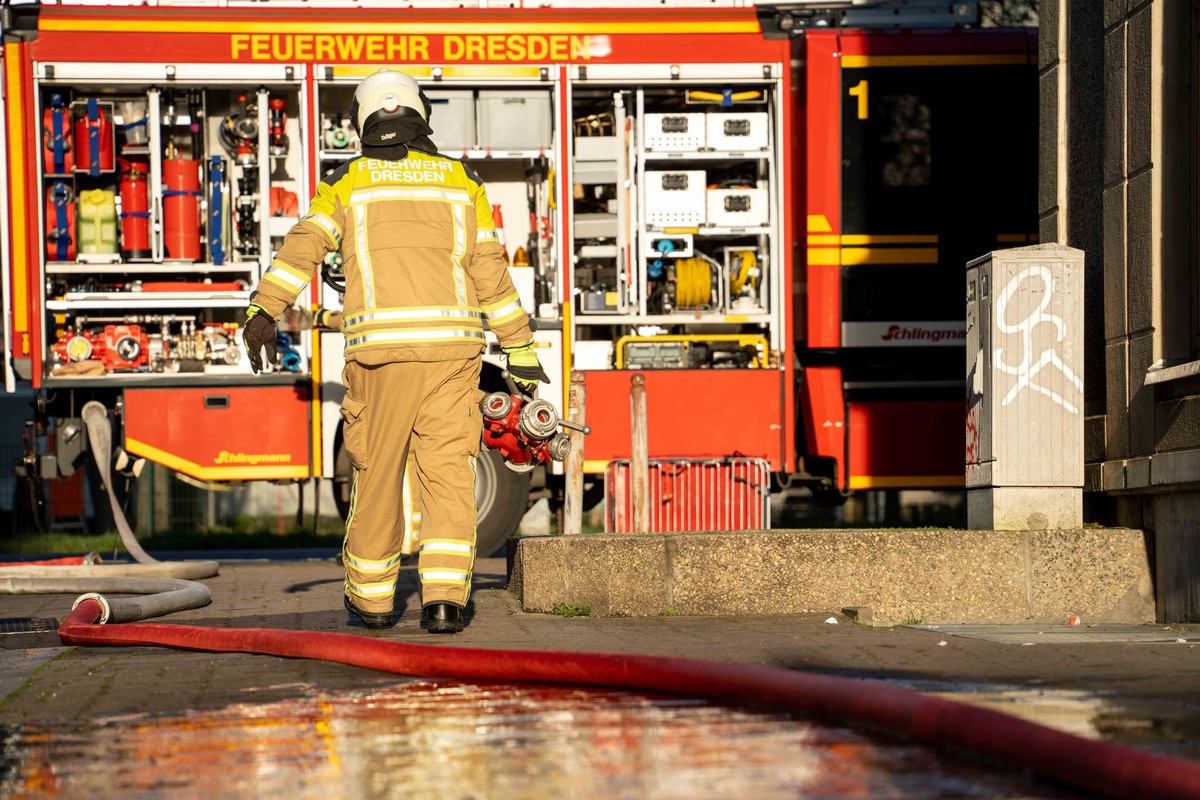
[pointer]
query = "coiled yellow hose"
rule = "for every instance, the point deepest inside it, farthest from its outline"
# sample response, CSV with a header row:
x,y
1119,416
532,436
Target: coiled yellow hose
x,y
693,283
737,282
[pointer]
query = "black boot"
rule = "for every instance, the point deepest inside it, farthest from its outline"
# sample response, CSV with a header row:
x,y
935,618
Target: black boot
x,y
443,618
371,620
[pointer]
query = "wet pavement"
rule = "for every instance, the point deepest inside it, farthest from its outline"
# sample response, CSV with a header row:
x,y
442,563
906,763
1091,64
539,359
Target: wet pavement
x,y
153,722
438,740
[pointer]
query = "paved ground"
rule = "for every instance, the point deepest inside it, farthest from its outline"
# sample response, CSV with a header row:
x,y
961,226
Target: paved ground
x,y
1135,690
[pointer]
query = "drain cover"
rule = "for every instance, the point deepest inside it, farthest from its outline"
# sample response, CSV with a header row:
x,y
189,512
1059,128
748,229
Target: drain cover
x,y
28,625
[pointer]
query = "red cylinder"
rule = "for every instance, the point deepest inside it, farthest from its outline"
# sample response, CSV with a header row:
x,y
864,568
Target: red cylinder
x,y
181,209
135,209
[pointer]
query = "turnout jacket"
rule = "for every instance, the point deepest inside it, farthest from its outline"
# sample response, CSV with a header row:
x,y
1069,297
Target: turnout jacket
x,y
423,263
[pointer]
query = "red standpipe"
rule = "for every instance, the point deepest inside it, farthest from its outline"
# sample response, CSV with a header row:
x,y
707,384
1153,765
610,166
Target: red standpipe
x,y
181,209
1108,769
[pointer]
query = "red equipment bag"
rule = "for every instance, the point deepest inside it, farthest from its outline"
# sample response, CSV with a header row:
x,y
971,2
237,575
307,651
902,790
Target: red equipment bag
x,y
94,135
284,203
135,209
58,153
60,222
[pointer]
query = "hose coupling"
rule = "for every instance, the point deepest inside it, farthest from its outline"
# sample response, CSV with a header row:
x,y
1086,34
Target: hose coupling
x,y
105,608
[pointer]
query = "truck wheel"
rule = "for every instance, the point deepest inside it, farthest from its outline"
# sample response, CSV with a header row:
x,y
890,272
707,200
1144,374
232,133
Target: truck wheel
x,y
501,496
501,499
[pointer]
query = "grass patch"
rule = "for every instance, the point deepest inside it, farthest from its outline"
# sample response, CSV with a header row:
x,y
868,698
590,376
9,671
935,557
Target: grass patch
x,y
669,611
911,619
245,534
571,610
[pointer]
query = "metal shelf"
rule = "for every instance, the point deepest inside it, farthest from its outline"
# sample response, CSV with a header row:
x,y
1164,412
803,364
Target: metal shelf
x,y
71,268
140,302
164,379
757,230
682,318
706,155
465,155
487,154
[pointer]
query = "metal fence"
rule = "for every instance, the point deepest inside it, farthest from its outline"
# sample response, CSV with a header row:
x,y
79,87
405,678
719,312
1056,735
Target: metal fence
x,y
729,494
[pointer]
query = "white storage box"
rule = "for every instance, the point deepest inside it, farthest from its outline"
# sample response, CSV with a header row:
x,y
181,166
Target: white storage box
x,y
674,133
596,148
592,355
737,132
514,120
675,198
452,117
737,208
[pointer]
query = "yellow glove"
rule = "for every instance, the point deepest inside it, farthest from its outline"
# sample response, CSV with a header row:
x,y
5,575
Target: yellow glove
x,y
525,368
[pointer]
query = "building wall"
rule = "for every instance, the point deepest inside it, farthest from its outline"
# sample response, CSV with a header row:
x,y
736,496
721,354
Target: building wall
x,y
1117,179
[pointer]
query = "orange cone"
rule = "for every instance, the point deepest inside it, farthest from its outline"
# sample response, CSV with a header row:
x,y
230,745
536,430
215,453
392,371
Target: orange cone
x,y
498,218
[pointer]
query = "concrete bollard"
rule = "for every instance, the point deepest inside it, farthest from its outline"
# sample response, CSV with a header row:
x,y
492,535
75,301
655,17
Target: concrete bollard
x,y
576,412
1024,437
639,458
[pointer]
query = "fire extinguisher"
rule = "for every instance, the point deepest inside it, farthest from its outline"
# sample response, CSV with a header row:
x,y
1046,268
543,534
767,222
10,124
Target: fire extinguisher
x,y
94,133
58,155
135,209
278,124
60,222
181,209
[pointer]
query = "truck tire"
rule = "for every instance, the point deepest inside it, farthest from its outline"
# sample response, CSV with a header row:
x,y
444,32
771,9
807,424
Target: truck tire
x,y
501,499
501,496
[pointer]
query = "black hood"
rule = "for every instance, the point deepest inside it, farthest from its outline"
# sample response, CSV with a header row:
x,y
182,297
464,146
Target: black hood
x,y
389,136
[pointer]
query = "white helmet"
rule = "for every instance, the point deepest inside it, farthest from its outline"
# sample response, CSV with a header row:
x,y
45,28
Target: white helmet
x,y
387,91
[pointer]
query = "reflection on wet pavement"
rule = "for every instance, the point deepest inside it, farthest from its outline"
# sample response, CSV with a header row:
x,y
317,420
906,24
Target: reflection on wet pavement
x,y
1169,728
447,740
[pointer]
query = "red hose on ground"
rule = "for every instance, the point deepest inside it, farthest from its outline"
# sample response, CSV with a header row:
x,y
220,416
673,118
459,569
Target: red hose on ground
x,y
67,561
1101,767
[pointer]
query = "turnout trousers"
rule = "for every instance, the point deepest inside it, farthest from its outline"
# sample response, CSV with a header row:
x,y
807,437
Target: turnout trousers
x,y
433,408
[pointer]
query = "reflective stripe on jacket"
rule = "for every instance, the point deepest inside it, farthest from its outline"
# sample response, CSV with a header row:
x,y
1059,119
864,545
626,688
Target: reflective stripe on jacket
x,y
423,263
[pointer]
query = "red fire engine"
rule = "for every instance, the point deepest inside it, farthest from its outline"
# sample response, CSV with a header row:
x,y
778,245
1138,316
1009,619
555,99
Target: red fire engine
x,y
765,209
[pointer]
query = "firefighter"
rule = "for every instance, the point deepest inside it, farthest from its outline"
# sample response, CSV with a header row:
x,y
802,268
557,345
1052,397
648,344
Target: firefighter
x,y
424,270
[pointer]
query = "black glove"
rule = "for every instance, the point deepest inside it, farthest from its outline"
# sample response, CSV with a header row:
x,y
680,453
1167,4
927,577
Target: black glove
x,y
258,333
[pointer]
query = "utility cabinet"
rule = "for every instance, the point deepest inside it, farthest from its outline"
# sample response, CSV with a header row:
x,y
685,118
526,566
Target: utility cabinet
x,y
1024,428
165,193
676,216
500,123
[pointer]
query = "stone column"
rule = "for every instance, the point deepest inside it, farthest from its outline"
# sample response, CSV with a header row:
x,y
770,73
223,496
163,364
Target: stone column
x,y
1024,443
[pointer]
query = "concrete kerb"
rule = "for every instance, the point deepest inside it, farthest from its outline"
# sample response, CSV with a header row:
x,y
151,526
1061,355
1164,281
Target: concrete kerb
x,y
887,577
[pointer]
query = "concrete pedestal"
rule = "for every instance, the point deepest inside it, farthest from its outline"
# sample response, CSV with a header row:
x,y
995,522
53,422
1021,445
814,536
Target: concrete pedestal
x,y
1025,508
